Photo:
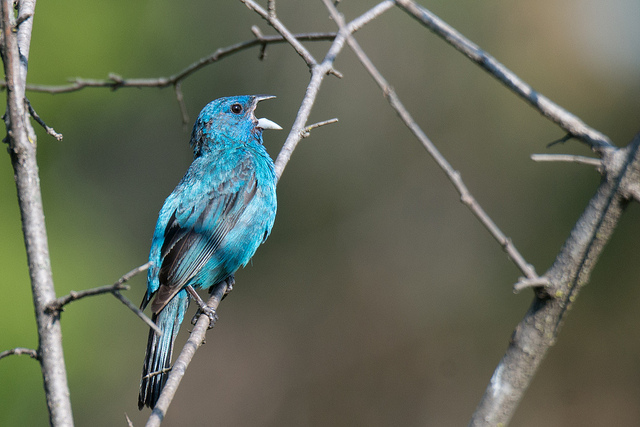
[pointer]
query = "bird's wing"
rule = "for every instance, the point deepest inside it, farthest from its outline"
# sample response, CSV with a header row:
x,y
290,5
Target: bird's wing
x,y
197,227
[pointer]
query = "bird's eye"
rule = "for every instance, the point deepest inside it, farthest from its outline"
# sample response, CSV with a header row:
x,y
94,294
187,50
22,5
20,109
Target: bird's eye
x,y
236,108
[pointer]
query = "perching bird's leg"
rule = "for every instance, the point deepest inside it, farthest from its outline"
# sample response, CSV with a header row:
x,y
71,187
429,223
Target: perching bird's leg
x,y
204,308
231,280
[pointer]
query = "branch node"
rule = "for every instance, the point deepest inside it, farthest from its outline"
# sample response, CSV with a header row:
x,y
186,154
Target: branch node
x,y
116,81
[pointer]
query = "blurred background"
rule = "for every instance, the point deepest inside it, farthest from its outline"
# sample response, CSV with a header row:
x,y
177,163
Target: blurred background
x,y
379,299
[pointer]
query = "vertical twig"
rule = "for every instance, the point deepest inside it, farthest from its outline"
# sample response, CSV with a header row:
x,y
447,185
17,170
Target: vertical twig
x,y
22,149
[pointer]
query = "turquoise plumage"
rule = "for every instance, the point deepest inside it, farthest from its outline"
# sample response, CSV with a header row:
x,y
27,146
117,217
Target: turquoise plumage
x,y
210,225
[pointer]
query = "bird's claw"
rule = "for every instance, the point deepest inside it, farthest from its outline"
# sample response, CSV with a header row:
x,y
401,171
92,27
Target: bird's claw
x,y
209,312
230,281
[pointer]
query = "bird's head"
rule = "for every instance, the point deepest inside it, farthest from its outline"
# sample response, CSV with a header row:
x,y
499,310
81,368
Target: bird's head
x,y
229,120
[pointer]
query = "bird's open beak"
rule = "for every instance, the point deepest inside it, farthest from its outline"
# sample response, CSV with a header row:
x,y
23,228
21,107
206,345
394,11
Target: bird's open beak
x,y
266,123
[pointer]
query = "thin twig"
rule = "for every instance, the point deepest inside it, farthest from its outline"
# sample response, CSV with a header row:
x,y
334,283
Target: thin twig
x,y
271,18
19,351
116,82
567,158
137,312
307,131
51,131
318,73
180,98
453,175
567,121
184,358
56,306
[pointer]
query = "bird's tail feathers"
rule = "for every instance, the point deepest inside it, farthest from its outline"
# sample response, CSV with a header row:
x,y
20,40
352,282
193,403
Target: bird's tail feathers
x,y
157,362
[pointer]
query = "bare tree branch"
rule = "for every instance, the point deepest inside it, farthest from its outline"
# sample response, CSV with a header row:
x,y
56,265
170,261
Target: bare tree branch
x,y
567,121
270,17
318,72
55,307
22,148
538,330
19,351
115,81
453,175
184,359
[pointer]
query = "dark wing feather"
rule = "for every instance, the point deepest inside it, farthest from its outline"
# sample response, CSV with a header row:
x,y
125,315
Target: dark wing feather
x,y
192,239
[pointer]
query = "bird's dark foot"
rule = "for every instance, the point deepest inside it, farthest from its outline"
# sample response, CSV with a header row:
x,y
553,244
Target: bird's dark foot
x,y
209,312
204,308
231,280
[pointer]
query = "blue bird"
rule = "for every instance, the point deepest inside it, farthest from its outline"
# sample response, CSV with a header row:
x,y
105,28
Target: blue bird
x,y
210,225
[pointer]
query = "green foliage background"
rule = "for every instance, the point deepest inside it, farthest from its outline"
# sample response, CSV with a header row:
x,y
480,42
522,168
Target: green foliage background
x,y
378,300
